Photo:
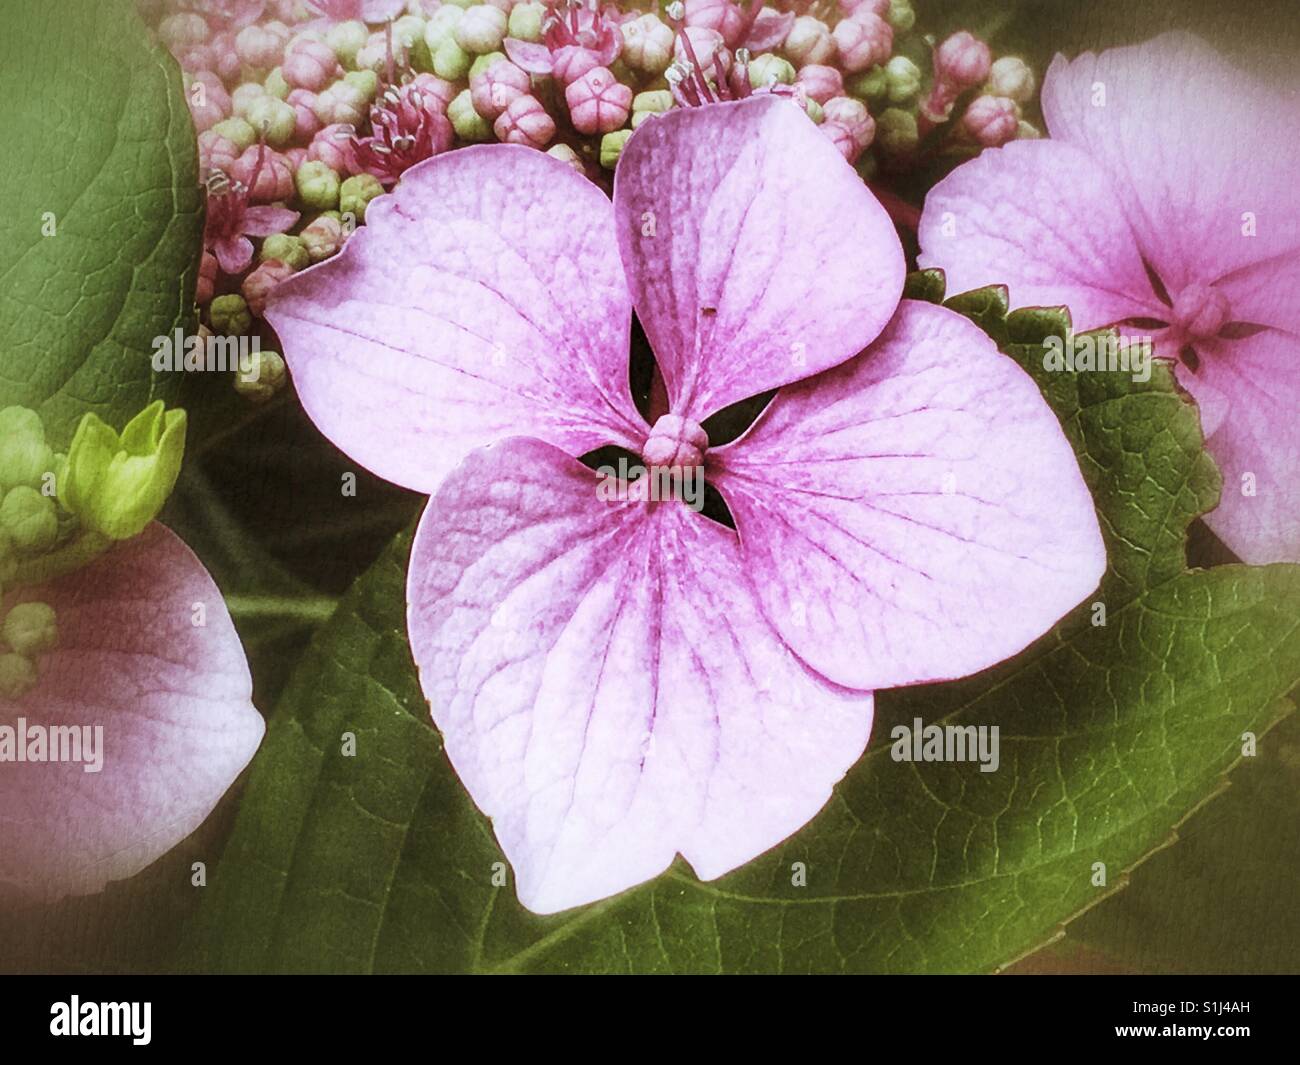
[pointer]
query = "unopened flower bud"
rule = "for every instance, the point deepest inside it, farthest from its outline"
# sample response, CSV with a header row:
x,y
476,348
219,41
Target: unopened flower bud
x,y
30,629
181,31
482,29
275,85
310,65
820,82
493,89
853,116
245,96
318,186
442,26
1012,78
261,46
274,174
525,22
1027,131
809,41
962,61
259,285
225,60
611,147
29,518
117,484
598,103
896,131
843,139
281,247
566,155
466,121
902,79
330,146
17,676
275,119
357,192
991,121
206,284
342,104
863,41
900,15
322,238
722,16
647,44
525,122
238,132
768,69
347,39
229,315
653,100
365,82
264,379
24,455
813,110
217,152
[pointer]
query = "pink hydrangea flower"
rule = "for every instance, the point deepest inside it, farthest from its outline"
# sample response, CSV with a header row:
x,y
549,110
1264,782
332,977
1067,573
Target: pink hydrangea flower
x,y
578,37
174,701
407,126
1167,206
619,681
231,220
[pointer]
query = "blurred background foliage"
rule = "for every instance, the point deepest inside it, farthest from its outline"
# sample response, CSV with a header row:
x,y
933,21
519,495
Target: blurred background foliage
x,y
261,502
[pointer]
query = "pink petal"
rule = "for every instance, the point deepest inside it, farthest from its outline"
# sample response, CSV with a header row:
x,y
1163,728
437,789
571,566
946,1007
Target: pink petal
x,y
916,514
1191,143
1039,217
173,699
529,57
607,688
769,30
233,254
482,299
1258,436
263,221
755,254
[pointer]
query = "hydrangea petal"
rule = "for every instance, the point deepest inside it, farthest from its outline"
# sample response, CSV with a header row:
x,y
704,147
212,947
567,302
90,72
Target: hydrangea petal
x,y
1195,147
172,696
755,254
916,514
482,299
1041,218
1256,443
605,685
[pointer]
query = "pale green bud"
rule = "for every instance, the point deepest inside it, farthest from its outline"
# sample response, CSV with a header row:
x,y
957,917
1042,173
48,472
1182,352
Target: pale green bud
x,y
229,315
900,15
896,131
347,39
276,85
451,61
364,81
656,100
356,193
245,96
30,519
275,118
903,79
441,27
482,62
769,69
31,629
24,456
869,85
814,110
318,185
267,377
237,131
526,22
287,249
117,484
468,123
611,147
482,29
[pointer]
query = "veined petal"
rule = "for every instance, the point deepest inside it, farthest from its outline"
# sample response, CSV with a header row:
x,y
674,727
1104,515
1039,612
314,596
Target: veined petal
x,y
916,514
1256,442
484,298
755,254
1202,156
263,221
172,697
1041,218
606,687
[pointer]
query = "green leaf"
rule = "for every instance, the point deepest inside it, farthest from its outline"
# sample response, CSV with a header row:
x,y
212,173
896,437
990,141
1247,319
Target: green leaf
x,y
101,221
1110,735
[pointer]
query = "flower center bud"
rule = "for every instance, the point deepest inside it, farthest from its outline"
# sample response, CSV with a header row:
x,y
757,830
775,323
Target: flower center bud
x,y
675,442
1201,310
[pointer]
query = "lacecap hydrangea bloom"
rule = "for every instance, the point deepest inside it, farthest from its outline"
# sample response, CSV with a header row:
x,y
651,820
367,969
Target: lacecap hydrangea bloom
x,y
1165,204
619,680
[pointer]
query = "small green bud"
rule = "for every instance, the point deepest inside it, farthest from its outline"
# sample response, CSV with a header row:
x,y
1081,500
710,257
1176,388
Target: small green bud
x,y
365,81
814,110
17,676
468,123
451,61
526,21
442,26
244,96
276,85
903,79
30,519
869,85
611,147
318,185
356,193
900,15
24,456
275,118
287,249
769,69
31,629
655,100
482,29
482,62
237,131
117,484
346,38
896,131
229,315
266,378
